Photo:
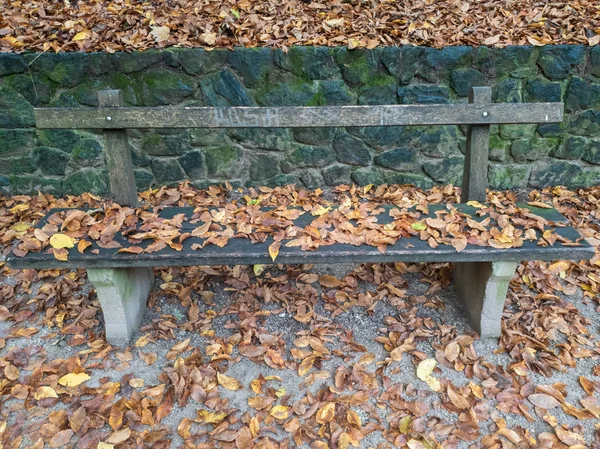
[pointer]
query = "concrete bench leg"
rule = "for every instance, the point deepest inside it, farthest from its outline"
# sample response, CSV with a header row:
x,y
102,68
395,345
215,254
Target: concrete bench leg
x,y
482,288
122,293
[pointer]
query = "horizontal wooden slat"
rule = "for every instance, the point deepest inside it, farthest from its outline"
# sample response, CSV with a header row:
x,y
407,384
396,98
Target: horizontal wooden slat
x,y
290,117
240,251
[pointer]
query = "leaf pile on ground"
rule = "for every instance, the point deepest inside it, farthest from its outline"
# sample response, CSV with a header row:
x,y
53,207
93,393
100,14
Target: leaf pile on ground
x,y
125,25
289,356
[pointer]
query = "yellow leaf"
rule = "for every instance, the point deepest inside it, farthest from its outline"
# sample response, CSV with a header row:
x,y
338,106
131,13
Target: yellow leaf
x,y
280,412
228,382
73,379
474,203
404,425
82,35
274,250
280,392
211,417
419,226
326,413
424,371
19,208
59,241
258,269
20,226
319,210
254,426
102,445
44,392
353,43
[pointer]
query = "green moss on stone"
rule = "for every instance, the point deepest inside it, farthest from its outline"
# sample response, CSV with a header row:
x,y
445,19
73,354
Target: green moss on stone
x,y
222,161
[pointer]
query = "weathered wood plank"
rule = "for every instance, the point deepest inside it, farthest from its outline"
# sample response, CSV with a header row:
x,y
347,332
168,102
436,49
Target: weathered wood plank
x,y
244,252
118,158
475,170
286,117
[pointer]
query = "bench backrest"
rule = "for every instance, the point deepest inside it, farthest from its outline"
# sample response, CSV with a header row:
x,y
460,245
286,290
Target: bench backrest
x,y
479,114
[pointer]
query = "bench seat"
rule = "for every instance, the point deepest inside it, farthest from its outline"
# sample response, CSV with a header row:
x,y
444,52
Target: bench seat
x,y
241,251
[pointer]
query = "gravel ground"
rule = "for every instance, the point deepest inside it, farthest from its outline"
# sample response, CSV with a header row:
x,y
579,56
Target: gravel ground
x,y
364,327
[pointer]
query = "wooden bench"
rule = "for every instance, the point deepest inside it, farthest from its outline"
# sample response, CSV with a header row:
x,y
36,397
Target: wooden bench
x,y
123,281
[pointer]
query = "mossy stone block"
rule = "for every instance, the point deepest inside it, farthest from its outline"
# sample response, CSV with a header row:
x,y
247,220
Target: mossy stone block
x,y
86,93
296,93
463,79
448,170
508,90
416,179
336,175
592,152
90,180
315,63
423,94
166,171
574,147
165,145
508,176
584,124
87,150
143,179
165,87
11,63
15,141
15,111
230,89
558,61
358,66
582,94
517,131
438,63
380,90
251,64
275,139
264,166
136,61
52,162
553,173
308,156
350,150
35,88
335,92
198,61
193,164
367,175
223,161
541,90
398,159
314,136
66,69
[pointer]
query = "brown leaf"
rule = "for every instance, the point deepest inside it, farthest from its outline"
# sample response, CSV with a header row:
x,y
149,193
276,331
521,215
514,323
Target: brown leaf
x,y
543,400
60,439
119,436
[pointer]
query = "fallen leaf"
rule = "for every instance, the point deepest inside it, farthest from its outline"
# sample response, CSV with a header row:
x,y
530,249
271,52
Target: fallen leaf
x,y
73,379
228,382
59,241
280,412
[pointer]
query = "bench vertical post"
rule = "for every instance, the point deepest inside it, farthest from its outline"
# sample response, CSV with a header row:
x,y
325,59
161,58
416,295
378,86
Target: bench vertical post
x,y
118,157
481,286
122,292
475,173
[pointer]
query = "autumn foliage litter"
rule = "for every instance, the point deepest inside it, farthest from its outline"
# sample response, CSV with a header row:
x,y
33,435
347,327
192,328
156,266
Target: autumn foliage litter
x,y
317,381
126,25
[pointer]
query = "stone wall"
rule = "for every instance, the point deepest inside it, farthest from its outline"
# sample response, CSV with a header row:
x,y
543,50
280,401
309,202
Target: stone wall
x,y
65,161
